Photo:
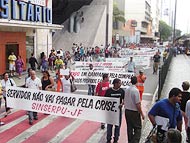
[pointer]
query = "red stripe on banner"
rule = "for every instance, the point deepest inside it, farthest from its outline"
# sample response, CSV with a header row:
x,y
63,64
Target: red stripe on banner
x,y
50,131
83,132
13,116
17,129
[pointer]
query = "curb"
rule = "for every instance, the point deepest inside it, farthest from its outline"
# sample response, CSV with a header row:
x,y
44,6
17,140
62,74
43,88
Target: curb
x,y
146,120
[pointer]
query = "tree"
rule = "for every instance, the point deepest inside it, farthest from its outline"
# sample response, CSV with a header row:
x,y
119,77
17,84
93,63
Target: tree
x,y
118,16
178,33
165,31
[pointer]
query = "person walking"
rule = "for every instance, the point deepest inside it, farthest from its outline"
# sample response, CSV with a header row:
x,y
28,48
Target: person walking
x,y
166,114
115,92
66,82
130,66
33,61
156,59
19,66
33,82
6,81
47,81
140,82
12,58
185,98
91,87
101,89
187,122
1,96
133,112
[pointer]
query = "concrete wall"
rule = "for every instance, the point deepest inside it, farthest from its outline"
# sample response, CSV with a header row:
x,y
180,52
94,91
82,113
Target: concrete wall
x,y
92,32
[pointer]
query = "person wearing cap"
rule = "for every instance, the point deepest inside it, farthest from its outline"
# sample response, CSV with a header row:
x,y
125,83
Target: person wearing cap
x,y
115,92
140,82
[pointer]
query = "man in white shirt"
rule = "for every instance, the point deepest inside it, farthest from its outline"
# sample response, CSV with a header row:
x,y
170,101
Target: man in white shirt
x,y
187,112
133,112
33,82
130,66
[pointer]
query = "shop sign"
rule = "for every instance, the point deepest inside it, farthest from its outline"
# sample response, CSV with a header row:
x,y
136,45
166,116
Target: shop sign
x,y
25,11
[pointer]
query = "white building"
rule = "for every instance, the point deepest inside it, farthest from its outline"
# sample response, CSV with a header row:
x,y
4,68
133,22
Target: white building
x,y
138,15
156,15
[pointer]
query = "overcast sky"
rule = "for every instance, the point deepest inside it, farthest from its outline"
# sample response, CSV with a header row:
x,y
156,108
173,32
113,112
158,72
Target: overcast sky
x,y
183,15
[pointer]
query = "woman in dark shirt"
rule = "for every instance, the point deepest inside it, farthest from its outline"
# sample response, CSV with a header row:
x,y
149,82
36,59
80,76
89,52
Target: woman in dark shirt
x,y
47,81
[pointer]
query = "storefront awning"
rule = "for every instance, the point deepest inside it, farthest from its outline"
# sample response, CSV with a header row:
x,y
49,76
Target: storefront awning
x,y
24,24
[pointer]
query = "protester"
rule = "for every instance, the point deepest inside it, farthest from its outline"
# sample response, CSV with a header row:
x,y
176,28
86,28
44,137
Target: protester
x,y
166,114
101,89
6,81
33,82
185,98
165,54
133,112
12,58
130,66
66,81
44,63
1,96
33,61
47,81
91,87
174,136
115,92
187,123
140,82
19,66
156,59
59,62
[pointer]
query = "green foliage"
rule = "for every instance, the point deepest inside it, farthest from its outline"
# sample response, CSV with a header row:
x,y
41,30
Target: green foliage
x,y
178,33
165,31
118,15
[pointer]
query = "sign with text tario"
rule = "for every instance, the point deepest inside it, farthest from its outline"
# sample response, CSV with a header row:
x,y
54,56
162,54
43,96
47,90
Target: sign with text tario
x,y
94,108
25,11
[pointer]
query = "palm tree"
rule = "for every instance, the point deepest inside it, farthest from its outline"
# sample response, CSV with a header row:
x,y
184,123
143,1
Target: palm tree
x,y
118,16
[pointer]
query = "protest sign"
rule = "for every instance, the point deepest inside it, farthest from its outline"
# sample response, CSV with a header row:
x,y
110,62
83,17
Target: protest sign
x,y
64,71
93,77
106,66
94,108
138,59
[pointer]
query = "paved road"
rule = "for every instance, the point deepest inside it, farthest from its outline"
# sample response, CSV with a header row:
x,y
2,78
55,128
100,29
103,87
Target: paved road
x,y
56,129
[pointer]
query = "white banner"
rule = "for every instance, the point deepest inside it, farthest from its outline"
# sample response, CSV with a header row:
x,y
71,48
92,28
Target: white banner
x,y
125,53
139,60
106,66
94,108
93,77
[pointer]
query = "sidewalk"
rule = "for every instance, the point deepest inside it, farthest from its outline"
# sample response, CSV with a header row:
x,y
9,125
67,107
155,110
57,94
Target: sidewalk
x,y
178,72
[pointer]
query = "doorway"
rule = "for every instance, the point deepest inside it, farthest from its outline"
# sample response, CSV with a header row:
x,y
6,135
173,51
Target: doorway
x,y
9,49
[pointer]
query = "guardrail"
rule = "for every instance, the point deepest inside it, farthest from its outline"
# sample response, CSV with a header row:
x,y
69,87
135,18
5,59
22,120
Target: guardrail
x,y
163,70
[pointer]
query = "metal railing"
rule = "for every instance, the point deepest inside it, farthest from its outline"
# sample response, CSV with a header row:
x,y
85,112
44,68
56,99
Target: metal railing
x,y
163,70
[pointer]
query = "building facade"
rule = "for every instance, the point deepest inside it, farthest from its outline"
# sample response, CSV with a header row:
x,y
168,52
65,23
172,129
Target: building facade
x,y
138,20
25,28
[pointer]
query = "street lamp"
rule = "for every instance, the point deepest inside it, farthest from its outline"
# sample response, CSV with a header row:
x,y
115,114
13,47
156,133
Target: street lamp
x,y
174,33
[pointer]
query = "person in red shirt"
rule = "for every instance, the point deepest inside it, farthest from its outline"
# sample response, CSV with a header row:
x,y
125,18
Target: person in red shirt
x,y
140,82
101,90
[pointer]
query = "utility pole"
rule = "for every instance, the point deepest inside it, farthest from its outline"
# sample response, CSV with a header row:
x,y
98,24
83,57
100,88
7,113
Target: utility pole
x,y
174,33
